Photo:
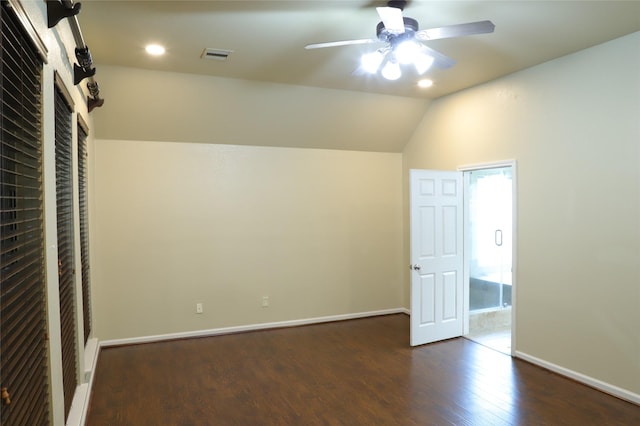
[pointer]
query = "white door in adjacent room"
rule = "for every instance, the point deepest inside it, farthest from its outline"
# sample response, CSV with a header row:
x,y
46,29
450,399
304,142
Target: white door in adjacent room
x,y
437,291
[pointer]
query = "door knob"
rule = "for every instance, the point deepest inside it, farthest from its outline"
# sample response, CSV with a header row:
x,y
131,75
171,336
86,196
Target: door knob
x,y
4,395
416,267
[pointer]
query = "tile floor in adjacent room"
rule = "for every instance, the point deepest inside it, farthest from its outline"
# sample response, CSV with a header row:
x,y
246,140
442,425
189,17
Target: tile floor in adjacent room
x,y
498,339
491,329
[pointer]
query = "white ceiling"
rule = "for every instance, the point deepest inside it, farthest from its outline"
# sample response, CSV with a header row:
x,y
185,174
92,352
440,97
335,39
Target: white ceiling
x,y
268,38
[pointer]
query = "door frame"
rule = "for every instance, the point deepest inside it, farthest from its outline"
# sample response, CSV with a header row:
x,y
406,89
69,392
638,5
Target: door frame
x,y
465,169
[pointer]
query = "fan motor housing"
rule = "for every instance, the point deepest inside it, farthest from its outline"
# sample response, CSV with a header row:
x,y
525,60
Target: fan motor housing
x,y
410,28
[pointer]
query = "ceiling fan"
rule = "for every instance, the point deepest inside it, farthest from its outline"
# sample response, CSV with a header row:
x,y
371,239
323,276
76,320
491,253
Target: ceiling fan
x,y
402,38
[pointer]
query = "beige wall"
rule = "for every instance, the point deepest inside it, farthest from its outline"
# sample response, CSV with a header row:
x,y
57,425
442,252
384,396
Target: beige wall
x,y
322,232
318,231
164,106
573,125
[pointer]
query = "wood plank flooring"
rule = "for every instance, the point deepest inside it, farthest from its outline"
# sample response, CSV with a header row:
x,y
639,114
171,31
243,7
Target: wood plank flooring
x,y
359,372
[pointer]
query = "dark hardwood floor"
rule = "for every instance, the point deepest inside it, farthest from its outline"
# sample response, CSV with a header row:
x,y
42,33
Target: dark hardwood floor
x,y
359,372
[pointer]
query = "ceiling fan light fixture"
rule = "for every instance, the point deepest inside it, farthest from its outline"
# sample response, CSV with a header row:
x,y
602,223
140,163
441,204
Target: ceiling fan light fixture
x,y
371,61
391,70
422,62
407,51
403,38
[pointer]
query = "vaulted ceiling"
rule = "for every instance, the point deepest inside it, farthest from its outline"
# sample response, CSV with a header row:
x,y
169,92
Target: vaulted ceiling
x,y
267,38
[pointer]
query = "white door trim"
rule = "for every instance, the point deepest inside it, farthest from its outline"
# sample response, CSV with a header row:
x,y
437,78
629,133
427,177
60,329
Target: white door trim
x,y
514,289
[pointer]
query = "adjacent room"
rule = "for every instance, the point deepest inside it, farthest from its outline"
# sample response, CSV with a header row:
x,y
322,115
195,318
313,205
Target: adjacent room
x,y
242,226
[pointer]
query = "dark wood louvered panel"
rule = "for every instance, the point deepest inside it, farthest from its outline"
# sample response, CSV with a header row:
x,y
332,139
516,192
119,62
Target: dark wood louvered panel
x,y
84,229
23,344
66,279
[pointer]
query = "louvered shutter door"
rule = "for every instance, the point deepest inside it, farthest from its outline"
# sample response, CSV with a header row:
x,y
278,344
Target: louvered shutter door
x,y
23,341
66,273
84,229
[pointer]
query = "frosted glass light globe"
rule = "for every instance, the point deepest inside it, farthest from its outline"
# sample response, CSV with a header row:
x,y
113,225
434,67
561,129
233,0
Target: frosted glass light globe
x,y
391,71
371,61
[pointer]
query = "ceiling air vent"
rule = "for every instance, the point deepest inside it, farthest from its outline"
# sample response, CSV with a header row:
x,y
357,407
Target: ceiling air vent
x,y
216,54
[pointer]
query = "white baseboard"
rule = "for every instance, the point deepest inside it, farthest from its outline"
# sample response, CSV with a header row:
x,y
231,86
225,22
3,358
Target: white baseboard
x,y
91,350
244,328
582,378
78,406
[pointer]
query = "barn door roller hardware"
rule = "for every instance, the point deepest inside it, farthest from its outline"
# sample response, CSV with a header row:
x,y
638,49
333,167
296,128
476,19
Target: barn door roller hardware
x,y
58,10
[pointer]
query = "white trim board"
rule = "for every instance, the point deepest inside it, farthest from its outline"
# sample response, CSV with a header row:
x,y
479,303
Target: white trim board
x,y
80,404
488,165
90,358
245,328
582,378
91,354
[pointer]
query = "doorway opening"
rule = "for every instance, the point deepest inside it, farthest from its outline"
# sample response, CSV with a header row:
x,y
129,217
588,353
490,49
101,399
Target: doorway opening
x,y
489,206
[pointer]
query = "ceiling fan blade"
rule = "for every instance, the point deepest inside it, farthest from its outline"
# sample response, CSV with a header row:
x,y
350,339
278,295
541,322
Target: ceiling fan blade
x,y
340,43
392,19
480,27
440,60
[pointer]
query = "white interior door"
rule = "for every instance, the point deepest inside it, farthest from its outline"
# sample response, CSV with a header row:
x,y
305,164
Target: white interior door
x,y
437,295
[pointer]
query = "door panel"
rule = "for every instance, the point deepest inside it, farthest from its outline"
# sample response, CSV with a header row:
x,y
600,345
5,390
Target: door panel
x,y
450,296
436,255
450,246
427,296
427,225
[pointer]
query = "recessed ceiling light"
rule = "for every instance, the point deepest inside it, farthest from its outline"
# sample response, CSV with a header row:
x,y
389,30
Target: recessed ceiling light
x,y
425,83
154,49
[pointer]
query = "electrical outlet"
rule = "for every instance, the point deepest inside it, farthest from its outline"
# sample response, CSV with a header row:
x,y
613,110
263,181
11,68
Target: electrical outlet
x,y
265,301
199,308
